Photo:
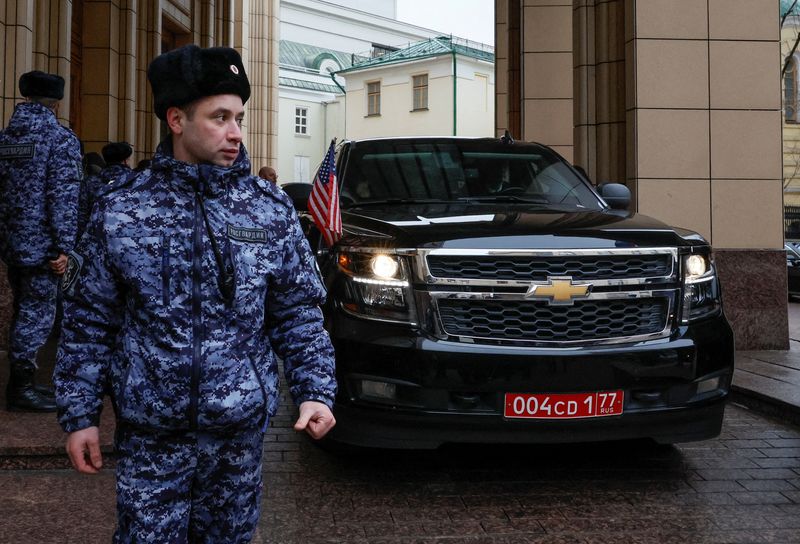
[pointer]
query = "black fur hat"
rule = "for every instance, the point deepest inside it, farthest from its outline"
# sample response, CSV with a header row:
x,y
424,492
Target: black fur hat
x,y
183,75
38,83
116,152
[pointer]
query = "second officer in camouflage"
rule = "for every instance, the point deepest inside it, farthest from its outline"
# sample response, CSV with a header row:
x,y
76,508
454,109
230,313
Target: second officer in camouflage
x,y
40,174
117,156
190,282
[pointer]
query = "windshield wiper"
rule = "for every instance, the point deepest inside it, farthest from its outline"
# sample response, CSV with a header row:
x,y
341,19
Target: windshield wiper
x,y
397,201
504,198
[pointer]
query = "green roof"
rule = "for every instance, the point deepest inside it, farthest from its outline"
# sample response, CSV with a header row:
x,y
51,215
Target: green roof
x,y
310,57
430,48
308,85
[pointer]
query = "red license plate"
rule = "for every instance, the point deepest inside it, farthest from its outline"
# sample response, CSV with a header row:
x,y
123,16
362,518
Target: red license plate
x,y
563,406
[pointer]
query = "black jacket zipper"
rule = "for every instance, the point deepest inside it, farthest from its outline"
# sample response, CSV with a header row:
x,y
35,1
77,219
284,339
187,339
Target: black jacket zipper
x,y
197,305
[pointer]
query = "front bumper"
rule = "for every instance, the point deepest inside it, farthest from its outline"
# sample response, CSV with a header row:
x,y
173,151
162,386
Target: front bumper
x,y
361,426
454,392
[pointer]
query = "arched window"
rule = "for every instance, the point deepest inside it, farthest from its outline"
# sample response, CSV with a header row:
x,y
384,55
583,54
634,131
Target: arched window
x,y
790,91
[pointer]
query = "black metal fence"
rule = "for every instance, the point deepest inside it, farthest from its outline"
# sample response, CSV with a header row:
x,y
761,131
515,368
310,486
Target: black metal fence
x,y
791,222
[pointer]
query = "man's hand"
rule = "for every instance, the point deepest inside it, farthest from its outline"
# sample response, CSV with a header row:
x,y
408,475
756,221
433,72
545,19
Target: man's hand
x,y
83,448
315,418
59,264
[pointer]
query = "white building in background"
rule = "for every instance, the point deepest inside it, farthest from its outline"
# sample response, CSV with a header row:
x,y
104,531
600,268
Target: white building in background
x,y
440,86
318,38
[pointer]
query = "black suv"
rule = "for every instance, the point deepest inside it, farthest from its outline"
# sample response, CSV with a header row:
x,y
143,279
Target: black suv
x,y
483,291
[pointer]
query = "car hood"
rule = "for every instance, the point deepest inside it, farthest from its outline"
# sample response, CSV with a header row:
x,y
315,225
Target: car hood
x,y
506,226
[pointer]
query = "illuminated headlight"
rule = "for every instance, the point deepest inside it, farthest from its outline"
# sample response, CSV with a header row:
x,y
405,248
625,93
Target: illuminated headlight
x,y
696,266
384,266
701,296
376,285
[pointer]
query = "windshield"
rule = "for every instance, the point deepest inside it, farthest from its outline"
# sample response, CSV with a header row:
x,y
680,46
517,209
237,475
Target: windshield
x,y
461,170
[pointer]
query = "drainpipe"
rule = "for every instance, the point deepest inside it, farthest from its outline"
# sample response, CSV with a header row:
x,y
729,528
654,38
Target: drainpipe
x,y
333,77
324,120
455,94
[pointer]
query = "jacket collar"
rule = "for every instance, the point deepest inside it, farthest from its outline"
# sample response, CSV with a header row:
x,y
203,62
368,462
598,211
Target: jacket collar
x,y
114,171
209,179
30,115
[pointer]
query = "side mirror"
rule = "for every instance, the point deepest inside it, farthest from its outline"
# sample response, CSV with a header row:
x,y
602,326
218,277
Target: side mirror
x,y
299,193
616,195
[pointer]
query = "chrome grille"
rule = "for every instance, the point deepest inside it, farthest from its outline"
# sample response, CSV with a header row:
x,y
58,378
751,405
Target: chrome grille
x,y
540,267
536,321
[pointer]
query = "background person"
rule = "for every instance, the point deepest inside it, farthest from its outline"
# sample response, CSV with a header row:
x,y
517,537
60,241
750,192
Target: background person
x,y
268,173
116,156
40,174
93,164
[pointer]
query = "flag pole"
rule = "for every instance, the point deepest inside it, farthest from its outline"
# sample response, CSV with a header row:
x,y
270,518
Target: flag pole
x,y
323,202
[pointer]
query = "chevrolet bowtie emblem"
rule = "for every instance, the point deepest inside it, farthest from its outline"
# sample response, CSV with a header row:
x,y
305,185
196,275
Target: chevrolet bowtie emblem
x,y
559,291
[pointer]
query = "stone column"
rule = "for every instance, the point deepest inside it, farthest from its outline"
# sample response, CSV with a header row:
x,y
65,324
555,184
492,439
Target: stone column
x,y
109,85
241,41
501,66
148,47
599,87
704,149
16,36
256,37
52,29
547,67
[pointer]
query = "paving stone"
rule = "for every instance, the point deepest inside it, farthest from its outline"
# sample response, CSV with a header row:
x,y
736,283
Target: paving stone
x,y
759,497
739,488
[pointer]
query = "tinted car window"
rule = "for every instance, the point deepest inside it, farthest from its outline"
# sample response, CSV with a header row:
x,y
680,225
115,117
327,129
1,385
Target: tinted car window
x,y
461,170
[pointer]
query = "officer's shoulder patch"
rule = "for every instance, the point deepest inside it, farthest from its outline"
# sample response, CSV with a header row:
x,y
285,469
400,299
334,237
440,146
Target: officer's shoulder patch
x,y
243,234
74,267
16,151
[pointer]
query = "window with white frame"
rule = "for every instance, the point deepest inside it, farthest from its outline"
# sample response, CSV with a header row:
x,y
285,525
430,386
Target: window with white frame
x,y
374,98
790,91
420,83
301,169
301,120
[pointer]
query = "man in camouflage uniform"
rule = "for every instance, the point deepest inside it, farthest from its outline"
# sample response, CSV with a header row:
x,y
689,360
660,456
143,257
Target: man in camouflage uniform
x,y
191,280
40,174
116,156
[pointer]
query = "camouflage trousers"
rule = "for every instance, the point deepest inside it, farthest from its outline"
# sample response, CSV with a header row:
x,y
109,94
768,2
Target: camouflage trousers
x,y
182,487
35,293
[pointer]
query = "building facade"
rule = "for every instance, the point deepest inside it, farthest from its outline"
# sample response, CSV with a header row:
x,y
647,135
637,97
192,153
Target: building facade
x,y
318,38
790,62
441,86
310,107
102,49
679,100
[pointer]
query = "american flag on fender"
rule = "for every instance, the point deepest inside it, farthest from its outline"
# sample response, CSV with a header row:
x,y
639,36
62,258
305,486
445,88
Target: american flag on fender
x,y
323,204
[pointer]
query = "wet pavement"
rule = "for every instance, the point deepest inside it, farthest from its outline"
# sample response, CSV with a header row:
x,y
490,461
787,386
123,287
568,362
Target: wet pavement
x,y
769,381
742,487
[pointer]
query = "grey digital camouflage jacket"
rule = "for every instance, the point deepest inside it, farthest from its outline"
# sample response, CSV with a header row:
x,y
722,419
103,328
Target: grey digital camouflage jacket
x,y
40,175
95,185
144,318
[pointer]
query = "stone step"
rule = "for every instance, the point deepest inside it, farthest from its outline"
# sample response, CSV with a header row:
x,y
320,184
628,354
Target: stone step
x,y
31,440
